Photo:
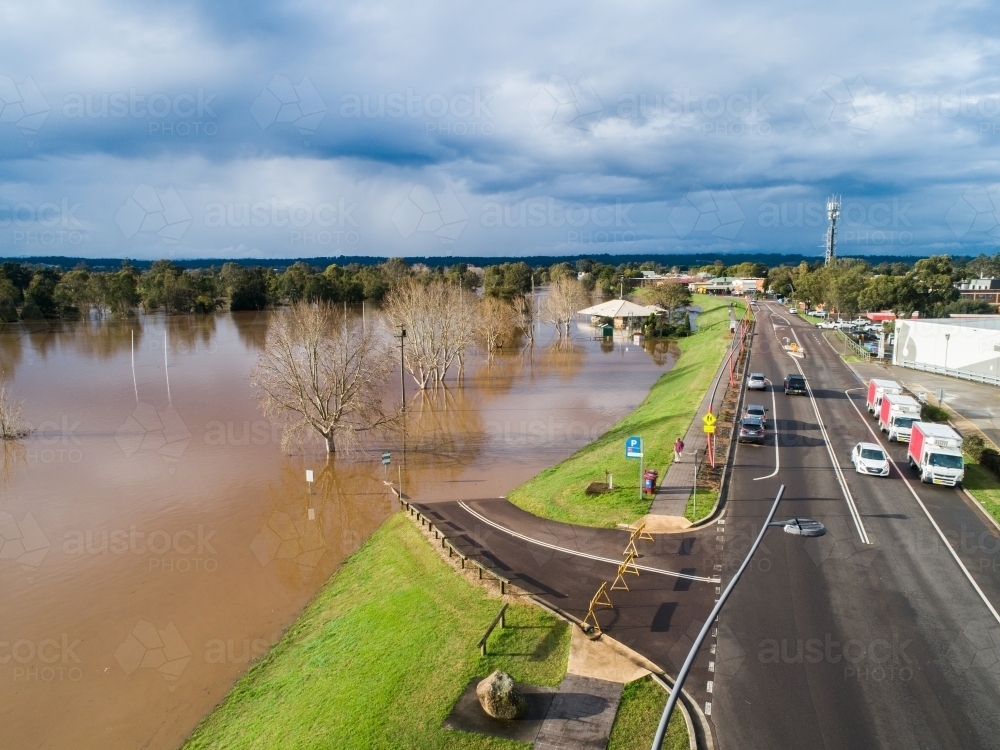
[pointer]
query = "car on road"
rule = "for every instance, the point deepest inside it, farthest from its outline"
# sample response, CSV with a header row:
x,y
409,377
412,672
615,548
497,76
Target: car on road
x,y
751,430
757,382
793,311
869,458
827,324
795,384
756,410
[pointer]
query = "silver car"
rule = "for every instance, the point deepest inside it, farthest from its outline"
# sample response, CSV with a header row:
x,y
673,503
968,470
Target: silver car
x,y
757,382
756,410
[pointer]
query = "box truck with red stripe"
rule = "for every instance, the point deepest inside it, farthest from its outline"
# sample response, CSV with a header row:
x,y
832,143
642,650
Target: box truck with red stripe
x,y
897,415
878,388
935,450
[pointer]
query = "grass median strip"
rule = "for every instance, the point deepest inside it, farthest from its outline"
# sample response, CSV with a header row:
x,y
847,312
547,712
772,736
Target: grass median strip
x,y
638,716
559,492
984,487
380,655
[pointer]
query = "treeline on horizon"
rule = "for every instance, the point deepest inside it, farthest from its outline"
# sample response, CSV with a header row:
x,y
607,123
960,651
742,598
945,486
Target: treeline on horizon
x,y
32,291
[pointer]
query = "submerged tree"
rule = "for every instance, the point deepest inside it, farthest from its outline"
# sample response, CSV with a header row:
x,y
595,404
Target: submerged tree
x,y
324,372
565,297
12,424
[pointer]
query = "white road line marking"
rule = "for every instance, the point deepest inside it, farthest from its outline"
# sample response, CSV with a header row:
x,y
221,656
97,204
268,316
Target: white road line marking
x,y
923,507
833,458
708,709
774,416
709,687
495,525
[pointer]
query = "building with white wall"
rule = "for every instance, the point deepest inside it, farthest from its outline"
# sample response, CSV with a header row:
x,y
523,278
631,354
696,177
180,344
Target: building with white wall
x,y
962,347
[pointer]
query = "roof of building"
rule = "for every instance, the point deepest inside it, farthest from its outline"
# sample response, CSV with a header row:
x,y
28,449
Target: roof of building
x,y
618,308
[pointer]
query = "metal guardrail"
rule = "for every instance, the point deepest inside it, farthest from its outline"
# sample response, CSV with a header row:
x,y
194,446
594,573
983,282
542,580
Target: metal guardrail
x,y
452,549
854,346
499,619
973,377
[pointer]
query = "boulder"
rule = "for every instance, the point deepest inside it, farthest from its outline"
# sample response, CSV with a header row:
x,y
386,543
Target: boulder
x,y
500,698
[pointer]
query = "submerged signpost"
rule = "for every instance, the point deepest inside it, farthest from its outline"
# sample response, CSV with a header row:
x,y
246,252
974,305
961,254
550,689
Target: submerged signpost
x,y
633,449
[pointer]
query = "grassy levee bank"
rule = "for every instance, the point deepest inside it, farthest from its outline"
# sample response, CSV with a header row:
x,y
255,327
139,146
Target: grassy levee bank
x,y
380,655
665,413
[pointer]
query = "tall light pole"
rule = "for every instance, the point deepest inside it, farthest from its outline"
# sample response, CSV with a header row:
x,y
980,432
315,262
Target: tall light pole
x,y
947,338
797,526
402,367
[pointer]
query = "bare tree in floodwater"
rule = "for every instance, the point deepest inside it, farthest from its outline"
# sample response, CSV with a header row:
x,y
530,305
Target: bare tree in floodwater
x,y
325,373
525,314
565,297
12,424
440,322
494,324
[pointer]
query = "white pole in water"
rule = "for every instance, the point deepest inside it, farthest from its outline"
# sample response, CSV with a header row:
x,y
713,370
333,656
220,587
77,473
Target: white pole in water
x,y
134,383
166,365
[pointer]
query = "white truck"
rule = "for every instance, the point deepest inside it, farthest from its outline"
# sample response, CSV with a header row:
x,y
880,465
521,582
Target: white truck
x,y
897,415
935,450
878,388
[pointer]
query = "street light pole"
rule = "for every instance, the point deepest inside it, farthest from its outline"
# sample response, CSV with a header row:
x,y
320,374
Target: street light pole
x,y
402,367
801,527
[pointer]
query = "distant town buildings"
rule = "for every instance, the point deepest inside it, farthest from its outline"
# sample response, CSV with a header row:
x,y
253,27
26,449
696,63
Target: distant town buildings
x,y
704,283
987,290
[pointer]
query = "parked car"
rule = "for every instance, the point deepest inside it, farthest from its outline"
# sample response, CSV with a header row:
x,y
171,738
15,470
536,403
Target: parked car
x,y
757,382
795,384
869,458
827,324
751,430
756,410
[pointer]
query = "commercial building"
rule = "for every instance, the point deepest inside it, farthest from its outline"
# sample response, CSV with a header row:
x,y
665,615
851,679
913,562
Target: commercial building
x,y
986,290
966,347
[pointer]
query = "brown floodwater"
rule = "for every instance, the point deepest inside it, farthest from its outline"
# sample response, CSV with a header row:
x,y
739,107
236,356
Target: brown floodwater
x,y
154,539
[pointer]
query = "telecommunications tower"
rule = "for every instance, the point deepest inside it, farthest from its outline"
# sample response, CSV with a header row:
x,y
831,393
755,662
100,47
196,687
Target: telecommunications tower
x,y
833,213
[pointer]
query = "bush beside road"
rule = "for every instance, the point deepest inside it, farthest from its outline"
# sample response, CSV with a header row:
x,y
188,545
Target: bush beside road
x,y
380,655
559,492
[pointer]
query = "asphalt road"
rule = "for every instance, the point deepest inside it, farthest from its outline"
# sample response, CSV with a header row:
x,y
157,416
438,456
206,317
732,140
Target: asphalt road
x,y
874,635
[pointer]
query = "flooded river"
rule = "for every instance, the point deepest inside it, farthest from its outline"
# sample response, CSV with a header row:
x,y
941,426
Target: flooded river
x,y
155,539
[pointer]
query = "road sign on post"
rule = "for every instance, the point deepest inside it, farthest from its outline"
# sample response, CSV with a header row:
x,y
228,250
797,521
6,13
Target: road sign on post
x,y
709,423
633,447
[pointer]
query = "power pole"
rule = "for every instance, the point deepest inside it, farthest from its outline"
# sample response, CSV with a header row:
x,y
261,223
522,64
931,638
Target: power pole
x,y
402,367
833,213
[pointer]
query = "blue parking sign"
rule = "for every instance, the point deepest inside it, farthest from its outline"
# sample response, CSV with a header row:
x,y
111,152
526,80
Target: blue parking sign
x,y
633,447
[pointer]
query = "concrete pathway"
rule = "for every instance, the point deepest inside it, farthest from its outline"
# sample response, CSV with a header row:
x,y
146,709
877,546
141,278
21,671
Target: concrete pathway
x,y
675,489
581,715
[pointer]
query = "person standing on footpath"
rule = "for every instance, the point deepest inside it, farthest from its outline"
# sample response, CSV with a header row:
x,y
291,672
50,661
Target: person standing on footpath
x,y
678,449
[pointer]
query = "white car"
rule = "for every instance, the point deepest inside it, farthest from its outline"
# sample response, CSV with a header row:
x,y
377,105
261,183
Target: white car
x,y
869,458
757,382
793,311
827,324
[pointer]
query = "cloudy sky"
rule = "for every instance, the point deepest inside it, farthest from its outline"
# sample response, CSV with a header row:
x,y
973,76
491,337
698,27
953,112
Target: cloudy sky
x,y
287,129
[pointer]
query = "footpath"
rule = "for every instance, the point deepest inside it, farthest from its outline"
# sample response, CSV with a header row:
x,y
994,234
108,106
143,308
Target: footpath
x,y
666,513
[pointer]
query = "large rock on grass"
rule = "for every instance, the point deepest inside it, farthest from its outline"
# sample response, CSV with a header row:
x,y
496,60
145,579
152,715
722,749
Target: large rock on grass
x,y
500,698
